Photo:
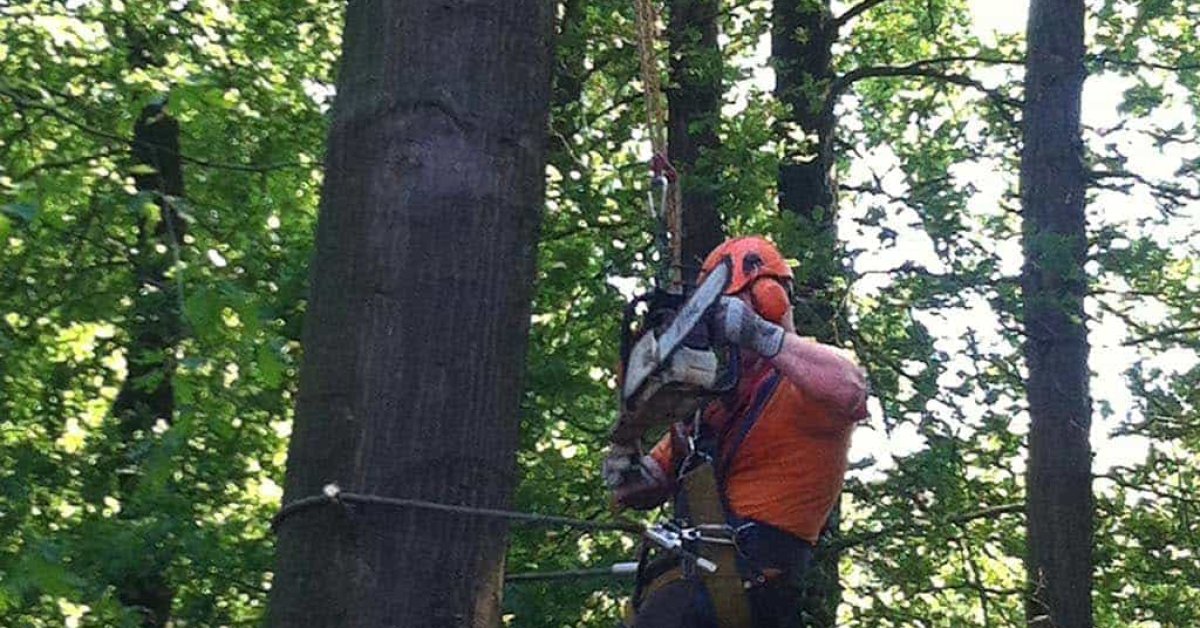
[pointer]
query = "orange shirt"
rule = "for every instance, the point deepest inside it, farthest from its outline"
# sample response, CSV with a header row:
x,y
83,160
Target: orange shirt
x,y
788,472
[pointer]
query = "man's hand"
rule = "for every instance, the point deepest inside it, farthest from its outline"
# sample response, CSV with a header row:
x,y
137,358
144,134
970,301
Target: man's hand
x,y
735,322
621,462
636,481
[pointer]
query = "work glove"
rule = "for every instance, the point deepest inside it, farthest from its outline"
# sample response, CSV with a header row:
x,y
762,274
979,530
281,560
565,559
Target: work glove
x,y
621,465
733,321
636,481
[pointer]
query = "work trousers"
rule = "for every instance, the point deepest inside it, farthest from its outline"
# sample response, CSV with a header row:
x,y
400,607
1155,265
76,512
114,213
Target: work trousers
x,y
773,604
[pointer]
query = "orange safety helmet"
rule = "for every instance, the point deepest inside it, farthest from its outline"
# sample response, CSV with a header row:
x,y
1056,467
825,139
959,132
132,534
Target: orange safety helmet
x,y
754,258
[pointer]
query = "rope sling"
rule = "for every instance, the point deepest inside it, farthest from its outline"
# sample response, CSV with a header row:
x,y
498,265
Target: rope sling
x,y
670,209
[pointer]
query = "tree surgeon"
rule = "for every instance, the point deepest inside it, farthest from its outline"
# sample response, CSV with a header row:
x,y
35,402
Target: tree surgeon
x,y
768,455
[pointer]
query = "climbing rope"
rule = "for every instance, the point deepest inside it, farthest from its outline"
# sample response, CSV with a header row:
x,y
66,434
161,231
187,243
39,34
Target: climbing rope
x,y
333,495
669,537
664,175
647,33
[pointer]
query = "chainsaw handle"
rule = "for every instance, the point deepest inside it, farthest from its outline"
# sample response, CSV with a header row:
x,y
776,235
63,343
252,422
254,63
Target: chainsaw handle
x,y
627,317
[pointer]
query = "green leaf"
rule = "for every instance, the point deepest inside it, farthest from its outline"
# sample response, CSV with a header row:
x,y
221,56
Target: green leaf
x,y
270,367
203,310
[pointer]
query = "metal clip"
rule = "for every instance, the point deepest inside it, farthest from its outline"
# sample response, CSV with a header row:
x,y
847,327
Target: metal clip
x,y
666,538
670,538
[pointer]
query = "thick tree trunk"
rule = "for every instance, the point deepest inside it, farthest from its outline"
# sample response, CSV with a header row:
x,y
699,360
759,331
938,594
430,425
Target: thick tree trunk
x,y
419,314
1060,503
694,110
148,394
802,38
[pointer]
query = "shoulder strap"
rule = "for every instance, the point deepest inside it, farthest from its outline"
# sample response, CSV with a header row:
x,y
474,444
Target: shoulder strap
x,y
764,393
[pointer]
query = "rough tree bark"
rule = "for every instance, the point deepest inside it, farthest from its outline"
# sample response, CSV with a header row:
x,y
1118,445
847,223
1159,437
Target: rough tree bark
x,y
154,329
802,38
694,110
1059,503
419,314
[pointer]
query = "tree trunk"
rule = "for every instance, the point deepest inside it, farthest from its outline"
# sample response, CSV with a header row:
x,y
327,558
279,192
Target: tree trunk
x,y
419,314
694,110
802,38
148,394
570,54
1060,504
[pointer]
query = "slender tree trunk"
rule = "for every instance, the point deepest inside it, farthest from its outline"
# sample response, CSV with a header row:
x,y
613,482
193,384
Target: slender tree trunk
x,y
802,38
694,110
570,54
148,394
1060,503
419,314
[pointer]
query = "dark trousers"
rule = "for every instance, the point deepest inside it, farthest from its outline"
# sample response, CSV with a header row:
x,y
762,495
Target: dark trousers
x,y
684,604
776,603
773,604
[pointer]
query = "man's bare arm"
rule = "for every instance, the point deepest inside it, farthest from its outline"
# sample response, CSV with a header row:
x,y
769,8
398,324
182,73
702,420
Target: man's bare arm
x,y
825,374
820,371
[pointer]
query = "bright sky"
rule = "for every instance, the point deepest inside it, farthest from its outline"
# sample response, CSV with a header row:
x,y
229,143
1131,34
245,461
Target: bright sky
x,y
1109,358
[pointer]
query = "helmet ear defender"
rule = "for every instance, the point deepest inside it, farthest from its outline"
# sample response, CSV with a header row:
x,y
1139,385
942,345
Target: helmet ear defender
x,y
770,299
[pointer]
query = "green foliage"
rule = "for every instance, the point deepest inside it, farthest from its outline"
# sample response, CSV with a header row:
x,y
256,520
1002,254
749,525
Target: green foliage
x,y
243,81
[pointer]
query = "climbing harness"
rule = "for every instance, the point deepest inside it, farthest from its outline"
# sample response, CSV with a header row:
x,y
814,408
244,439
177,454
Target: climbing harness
x,y
700,503
748,554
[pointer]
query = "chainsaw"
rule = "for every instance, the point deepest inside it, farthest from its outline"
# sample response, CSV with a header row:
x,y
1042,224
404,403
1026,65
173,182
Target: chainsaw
x,y
671,369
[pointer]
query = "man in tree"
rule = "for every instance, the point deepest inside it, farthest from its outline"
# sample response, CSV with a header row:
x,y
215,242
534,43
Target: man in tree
x,y
777,444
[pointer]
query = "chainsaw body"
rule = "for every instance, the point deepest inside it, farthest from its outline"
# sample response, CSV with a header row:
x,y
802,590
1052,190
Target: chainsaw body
x,y
671,369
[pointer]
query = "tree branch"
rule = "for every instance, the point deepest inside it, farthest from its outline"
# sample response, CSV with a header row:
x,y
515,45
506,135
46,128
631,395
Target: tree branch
x,y
65,163
973,587
1146,488
923,527
1176,194
1102,59
1165,334
919,69
53,111
1018,61
855,11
